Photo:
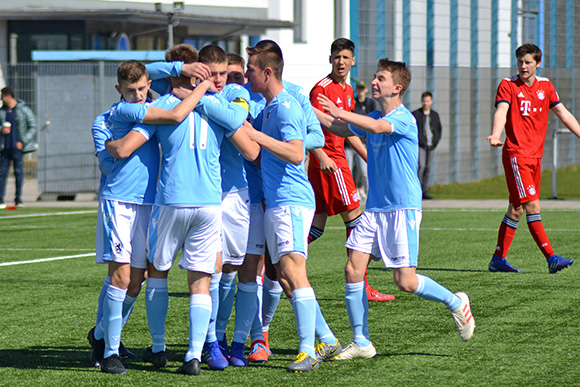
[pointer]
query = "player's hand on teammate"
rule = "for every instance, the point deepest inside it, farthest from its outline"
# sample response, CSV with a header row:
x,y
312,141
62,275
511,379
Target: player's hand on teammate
x,y
252,133
181,92
328,105
494,141
196,70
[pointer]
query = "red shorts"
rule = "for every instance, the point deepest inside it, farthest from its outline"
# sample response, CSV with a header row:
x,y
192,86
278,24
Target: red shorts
x,y
523,176
335,192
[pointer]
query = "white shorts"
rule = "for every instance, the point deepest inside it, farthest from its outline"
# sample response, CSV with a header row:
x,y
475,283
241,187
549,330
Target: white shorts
x,y
256,236
194,230
122,232
235,226
392,236
287,229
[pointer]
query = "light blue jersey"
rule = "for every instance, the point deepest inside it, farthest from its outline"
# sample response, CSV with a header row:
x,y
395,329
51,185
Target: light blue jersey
x,y
232,162
158,73
190,169
284,184
392,163
133,179
314,134
101,133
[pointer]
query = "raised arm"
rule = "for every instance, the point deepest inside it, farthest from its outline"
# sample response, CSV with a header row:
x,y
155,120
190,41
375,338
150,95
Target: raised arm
x,y
499,120
157,115
567,119
367,124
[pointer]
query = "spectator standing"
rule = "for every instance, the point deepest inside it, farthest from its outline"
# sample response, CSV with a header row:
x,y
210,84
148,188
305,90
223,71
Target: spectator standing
x,y
429,127
17,136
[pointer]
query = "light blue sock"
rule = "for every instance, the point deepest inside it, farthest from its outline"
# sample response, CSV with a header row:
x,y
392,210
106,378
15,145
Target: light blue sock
x,y
246,306
304,303
99,334
357,307
128,305
227,293
199,315
256,331
214,292
431,290
270,301
156,303
113,319
322,329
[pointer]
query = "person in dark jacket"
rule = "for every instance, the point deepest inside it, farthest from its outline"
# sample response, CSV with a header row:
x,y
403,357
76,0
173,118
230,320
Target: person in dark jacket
x,y
429,127
17,136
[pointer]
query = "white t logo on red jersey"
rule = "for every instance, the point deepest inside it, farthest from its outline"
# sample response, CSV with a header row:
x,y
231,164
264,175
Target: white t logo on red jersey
x,y
525,107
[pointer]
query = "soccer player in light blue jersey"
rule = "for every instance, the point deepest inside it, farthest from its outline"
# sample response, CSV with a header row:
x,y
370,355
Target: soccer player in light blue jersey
x,y
126,195
187,211
235,227
288,194
389,228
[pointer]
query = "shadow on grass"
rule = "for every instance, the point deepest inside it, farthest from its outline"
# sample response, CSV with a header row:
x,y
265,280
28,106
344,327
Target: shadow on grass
x,y
78,359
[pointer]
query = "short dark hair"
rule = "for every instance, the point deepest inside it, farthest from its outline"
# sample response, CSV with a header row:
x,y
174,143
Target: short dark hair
x,y
399,71
269,55
131,71
235,59
212,54
342,44
426,94
183,52
8,91
529,48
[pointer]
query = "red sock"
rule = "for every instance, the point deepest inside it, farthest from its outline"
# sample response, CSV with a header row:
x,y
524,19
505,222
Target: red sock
x,y
539,234
505,236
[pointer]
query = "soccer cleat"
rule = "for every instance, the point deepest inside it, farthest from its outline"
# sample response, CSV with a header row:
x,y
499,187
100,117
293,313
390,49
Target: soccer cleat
x,y
463,317
237,356
374,295
159,359
113,365
500,264
18,203
98,348
124,353
557,263
259,353
303,363
189,368
355,351
223,344
213,356
325,351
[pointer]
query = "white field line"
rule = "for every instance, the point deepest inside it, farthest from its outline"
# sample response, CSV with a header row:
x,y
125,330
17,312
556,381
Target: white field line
x,y
48,214
46,259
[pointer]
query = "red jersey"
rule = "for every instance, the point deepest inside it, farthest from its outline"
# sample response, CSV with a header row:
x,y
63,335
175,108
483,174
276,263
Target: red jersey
x,y
342,97
527,117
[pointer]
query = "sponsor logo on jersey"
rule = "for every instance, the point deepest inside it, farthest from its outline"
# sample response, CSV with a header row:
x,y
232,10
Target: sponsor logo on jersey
x,y
521,95
541,95
286,104
338,101
525,107
532,190
296,211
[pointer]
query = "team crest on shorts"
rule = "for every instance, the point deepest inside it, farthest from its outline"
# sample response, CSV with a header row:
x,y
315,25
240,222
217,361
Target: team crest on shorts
x,y
532,190
355,197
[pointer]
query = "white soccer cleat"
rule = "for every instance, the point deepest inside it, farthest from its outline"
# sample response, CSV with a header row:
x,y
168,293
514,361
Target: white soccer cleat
x,y
463,317
354,351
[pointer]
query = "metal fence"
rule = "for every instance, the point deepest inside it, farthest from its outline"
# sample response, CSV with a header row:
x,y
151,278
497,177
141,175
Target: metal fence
x,y
68,96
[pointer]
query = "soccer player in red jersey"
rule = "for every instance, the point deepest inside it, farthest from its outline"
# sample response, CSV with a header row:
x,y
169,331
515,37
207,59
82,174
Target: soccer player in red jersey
x,y
328,171
522,106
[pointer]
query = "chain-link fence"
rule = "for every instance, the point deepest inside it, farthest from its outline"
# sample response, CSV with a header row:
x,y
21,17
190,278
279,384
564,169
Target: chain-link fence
x,y
68,96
